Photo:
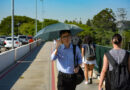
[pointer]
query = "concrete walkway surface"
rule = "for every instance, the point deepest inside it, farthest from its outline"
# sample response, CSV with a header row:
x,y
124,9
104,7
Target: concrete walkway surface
x,y
37,72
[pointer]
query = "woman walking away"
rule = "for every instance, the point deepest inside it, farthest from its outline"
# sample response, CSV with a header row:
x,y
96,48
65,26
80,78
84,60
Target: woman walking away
x,y
116,67
88,56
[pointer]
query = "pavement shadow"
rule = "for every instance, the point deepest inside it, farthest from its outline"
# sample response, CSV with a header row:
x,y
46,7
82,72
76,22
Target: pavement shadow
x,y
14,72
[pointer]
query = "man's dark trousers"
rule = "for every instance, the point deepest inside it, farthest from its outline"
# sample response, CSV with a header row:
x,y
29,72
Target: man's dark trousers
x,y
66,82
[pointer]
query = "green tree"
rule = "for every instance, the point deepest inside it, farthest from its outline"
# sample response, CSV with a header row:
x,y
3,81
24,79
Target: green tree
x,y
49,22
27,29
66,21
80,22
104,25
105,20
126,38
88,22
5,26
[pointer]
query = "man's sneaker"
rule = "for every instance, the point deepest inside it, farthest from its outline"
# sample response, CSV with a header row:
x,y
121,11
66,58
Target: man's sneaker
x,y
91,81
86,82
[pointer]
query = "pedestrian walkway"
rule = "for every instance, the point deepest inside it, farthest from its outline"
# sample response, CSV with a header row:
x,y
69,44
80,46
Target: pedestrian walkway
x,y
38,75
37,72
93,86
83,86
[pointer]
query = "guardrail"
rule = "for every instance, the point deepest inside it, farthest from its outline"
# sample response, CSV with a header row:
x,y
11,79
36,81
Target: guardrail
x,y
6,59
9,57
21,51
100,50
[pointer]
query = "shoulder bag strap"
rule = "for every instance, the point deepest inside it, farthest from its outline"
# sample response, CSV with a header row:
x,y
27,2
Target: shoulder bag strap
x,y
74,52
126,57
111,59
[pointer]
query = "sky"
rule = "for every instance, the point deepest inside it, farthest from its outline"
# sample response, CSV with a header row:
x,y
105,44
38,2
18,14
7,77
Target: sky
x,y
62,9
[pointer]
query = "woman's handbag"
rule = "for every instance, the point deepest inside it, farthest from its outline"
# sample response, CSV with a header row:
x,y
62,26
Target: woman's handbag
x,y
79,77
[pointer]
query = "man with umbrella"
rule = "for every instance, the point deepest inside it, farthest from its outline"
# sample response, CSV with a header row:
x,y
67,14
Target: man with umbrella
x,y
63,53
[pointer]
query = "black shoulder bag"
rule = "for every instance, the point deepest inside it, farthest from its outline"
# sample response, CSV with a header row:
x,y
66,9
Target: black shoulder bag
x,y
79,77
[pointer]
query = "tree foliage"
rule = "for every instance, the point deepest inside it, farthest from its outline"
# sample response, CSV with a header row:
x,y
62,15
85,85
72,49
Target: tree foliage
x,y
126,38
105,19
104,26
5,26
88,23
49,22
23,25
101,27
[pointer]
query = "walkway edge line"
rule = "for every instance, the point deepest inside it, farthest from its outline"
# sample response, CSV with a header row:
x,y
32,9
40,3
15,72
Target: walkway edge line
x,y
53,77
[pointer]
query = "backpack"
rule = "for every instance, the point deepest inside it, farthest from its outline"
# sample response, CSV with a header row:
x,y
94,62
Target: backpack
x,y
89,52
119,77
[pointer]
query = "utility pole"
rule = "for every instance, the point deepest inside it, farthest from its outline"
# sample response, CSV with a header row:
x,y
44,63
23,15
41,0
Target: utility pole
x,y
42,13
121,24
122,17
12,24
36,18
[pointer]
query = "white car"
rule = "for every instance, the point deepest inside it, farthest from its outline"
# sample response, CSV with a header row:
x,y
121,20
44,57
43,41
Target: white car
x,y
23,39
8,42
2,38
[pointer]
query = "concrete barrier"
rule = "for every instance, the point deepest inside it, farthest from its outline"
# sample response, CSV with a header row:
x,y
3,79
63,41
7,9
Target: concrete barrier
x,y
33,45
39,42
21,51
9,57
6,59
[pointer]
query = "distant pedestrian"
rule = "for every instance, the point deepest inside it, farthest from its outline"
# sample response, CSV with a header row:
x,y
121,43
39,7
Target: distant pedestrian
x,y
31,40
89,58
77,41
116,67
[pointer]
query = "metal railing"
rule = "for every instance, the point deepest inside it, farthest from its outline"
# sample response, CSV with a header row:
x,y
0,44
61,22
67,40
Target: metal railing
x,y
100,51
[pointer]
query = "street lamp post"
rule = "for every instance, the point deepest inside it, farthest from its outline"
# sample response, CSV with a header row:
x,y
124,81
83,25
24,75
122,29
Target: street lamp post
x,y
12,24
18,27
42,13
119,26
36,17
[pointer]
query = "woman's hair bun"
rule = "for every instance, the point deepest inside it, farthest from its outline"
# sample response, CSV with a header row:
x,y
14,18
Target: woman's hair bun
x,y
117,39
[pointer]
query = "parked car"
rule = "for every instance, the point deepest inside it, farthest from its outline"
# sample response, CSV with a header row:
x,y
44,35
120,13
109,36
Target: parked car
x,y
30,39
2,38
1,42
8,42
23,39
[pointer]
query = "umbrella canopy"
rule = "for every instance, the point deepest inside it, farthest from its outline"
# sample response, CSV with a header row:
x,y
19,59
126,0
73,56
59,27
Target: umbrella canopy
x,y
51,32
